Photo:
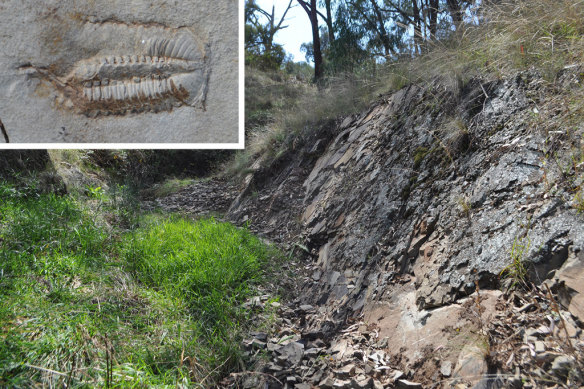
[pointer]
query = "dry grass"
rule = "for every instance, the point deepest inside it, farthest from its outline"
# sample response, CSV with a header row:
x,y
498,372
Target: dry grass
x,y
507,36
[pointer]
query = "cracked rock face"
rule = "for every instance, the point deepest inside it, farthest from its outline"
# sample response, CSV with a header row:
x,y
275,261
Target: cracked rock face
x,y
392,196
429,197
147,71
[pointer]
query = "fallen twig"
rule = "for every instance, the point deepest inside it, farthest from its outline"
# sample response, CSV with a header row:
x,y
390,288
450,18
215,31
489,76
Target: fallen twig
x,y
4,132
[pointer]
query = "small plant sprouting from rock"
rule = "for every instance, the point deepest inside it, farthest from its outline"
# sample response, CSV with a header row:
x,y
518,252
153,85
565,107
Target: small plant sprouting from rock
x,y
420,154
465,205
517,270
579,201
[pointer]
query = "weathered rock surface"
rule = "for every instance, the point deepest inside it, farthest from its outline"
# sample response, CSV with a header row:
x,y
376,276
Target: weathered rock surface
x,y
119,71
411,212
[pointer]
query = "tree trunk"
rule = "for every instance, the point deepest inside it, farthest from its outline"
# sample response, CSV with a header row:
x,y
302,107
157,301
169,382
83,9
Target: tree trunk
x,y
329,20
433,16
311,11
318,70
381,30
455,11
417,27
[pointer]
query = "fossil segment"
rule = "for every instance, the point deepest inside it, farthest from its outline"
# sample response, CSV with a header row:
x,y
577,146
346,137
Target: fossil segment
x,y
168,72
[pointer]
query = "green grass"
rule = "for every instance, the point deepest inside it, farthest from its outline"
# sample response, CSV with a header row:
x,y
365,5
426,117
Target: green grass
x,y
210,265
167,187
517,270
86,303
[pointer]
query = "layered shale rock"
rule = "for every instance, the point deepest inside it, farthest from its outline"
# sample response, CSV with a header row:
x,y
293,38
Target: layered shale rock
x,y
434,195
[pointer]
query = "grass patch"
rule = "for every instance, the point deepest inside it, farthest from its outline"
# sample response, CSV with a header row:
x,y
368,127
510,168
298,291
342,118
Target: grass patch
x,y
87,303
293,111
419,155
211,265
167,187
517,270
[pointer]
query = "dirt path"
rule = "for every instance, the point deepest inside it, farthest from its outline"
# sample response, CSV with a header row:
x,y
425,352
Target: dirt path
x,y
205,197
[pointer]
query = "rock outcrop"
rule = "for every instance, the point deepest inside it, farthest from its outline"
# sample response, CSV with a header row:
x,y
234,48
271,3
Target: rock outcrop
x,y
418,212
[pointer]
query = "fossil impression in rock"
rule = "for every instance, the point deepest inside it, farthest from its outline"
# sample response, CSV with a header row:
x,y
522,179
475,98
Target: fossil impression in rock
x,y
171,72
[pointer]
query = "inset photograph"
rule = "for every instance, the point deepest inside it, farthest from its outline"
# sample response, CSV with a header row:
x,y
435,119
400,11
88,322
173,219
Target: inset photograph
x,y
113,72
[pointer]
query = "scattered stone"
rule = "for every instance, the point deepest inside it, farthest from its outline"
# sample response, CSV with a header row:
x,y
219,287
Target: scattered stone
x,y
262,336
302,386
446,368
539,346
562,365
327,383
291,353
363,383
274,367
405,384
273,346
377,385
258,344
312,352
306,308
346,371
471,365
342,384
317,377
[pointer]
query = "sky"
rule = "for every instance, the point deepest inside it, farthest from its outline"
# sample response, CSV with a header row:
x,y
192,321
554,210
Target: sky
x,y
298,30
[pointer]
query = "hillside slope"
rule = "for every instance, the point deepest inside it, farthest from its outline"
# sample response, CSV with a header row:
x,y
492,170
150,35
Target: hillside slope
x,y
433,195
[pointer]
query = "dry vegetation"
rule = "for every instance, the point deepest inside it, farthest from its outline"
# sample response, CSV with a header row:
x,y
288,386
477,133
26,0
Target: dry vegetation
x,y
505,37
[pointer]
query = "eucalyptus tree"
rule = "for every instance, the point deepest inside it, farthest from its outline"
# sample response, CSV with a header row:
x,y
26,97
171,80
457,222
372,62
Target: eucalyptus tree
x,y
261,27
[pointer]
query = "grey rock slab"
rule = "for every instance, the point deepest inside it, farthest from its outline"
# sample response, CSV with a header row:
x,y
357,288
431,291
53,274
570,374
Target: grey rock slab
x,y
261,336
312,352
539,346
327,383
119,71
273,346
258,344
562,365
274,368
306,308
446,368
471,365
342,384
363,383
346,371
291,353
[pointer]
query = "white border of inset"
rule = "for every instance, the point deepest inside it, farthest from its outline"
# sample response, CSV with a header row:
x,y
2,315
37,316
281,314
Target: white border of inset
x,y
163,146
